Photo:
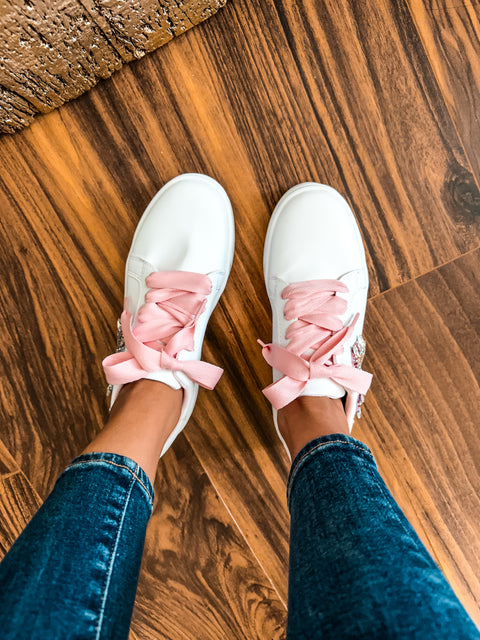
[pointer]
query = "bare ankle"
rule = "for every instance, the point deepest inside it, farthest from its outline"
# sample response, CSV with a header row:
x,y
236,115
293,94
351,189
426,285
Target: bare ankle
x,y
143,416
309,417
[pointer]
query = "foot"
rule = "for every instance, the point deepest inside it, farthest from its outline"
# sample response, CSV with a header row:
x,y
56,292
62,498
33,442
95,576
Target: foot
x,y
176,271
317,282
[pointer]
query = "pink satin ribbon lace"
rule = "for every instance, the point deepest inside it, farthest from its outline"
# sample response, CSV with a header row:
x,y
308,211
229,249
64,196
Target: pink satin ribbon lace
x,y
316,310
166,326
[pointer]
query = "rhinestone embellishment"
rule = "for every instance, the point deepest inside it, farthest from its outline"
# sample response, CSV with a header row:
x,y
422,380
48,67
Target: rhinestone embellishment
x,y
358,354
120,347
120,338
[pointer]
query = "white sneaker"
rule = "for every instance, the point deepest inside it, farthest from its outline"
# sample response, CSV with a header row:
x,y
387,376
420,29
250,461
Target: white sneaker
x,y
317,282
176,271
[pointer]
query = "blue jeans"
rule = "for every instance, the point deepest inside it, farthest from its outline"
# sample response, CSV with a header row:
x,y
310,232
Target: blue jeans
x,y
357,568
73,572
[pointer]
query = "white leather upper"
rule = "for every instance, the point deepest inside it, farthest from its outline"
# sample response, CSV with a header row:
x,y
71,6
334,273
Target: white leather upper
x,y
313,235
188,226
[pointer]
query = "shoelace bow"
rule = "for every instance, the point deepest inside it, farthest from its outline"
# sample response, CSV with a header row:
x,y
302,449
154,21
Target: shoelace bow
x,y
166,325
316,310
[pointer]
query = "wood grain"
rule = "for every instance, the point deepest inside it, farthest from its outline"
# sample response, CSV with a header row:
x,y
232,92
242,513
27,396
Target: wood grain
x,y
47,342
7,462
368,77
18,503
52,52
421,418
197,566
450,34
234,437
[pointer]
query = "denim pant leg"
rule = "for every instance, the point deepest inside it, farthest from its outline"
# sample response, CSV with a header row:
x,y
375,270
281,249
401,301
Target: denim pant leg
x,y
73,571
357,568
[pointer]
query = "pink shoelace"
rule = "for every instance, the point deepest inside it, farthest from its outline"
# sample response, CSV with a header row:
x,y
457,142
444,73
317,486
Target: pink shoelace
x,y
166,325
316,310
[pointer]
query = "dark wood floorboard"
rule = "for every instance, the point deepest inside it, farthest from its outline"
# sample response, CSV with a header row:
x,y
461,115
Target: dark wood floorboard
x,y
421,418
18,503
55,322
370,103
7,462
450,33
198,567
262,96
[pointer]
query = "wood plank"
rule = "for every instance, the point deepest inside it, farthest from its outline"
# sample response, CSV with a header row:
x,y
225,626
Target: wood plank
x,y
234,438
421,418
18,503
75,183
7,462
199,579
52,388
382,95
267,95
367,95
450,33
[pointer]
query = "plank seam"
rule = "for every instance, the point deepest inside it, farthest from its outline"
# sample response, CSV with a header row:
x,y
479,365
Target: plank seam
x,y
425,273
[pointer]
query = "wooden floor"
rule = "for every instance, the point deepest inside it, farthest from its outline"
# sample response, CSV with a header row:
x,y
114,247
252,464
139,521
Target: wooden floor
x,y
378,99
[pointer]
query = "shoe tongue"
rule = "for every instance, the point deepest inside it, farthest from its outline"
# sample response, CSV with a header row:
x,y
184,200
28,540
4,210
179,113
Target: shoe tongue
x,y
135,287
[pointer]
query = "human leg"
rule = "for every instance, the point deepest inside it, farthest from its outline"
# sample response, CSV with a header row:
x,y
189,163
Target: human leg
x,y
142,418
73,571
357,569
307,418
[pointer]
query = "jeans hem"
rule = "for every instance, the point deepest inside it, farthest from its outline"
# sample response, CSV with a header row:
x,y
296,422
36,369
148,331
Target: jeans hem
x,y
316,447
124,465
